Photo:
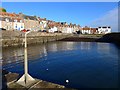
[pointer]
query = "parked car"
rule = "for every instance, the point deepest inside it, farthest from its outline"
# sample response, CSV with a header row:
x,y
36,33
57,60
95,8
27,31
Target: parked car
x,y
24,30
79,32
57,32
74,32
39,30
44,31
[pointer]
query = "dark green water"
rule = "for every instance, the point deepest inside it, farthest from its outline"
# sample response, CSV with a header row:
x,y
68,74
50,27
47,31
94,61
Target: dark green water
x,y
84,64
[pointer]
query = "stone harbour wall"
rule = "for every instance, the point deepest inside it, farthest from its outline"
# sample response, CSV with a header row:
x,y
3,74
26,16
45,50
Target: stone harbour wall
x,y
16,38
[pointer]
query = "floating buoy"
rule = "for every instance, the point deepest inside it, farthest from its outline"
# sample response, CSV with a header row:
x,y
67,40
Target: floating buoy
x,y
67,81
47,69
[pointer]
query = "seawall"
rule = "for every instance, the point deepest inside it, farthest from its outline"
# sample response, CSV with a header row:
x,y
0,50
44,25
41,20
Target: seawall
x,y
82,38
111,38
107,38
16,38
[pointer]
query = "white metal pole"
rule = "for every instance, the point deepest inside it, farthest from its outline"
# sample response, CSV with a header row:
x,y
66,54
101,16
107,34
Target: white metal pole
x,y
26,79
25,59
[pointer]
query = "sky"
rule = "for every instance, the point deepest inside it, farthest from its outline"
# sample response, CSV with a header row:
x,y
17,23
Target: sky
x,y
84,13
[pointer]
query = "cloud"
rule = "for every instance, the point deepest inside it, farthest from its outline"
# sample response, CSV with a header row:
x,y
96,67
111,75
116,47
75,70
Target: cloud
x,y
109,19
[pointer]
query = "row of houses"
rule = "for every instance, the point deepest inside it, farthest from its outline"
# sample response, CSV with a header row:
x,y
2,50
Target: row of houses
x,y
12,21
99,30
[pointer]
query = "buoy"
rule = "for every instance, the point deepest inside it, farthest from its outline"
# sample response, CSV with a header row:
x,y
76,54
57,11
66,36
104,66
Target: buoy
x,y
47,69
67,81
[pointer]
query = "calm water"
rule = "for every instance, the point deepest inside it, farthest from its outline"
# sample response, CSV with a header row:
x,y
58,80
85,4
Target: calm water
x,y
84,64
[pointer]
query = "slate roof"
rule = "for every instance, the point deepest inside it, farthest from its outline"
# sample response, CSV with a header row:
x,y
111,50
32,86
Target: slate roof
x,y
30,17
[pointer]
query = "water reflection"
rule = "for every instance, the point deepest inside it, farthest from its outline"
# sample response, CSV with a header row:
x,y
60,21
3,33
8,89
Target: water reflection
x,y
85,45
34,52
84,64
10,55
103,47
52,47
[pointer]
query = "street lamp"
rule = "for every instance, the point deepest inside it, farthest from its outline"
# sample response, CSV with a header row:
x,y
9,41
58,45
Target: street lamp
x,y
26,79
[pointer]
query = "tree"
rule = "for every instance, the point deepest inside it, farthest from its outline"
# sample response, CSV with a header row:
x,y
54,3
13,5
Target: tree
x,y
4,10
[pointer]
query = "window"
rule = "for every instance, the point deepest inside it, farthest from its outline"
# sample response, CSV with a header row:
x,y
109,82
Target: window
x,y
21,21
104,27
106,30
16,26
15,20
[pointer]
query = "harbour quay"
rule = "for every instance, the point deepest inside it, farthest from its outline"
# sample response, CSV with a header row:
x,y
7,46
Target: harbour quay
x,y
16,38
10,79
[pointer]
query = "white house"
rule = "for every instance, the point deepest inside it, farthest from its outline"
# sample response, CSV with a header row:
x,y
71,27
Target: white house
x,y
64,29
86,30
104,30
43,24
18,24
53,29
69,30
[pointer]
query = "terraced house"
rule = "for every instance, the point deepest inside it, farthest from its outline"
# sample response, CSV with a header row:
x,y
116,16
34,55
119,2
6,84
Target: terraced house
x,y
42,23
11,21
30,22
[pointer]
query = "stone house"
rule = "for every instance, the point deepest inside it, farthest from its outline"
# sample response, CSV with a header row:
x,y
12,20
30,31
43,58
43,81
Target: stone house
x,y
6,23
30,22
11,21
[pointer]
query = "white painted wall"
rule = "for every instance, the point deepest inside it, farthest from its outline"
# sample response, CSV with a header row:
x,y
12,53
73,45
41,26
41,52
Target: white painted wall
x,y
53,29
69,30
18,26
44,23
104,30
64,29
86,31
0,24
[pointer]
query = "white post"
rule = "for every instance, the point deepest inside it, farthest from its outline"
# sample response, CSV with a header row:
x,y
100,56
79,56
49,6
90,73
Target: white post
x,y
25,59
26,79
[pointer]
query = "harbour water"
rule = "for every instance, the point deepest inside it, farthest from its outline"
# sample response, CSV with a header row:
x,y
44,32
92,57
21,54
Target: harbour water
x,y
82,64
